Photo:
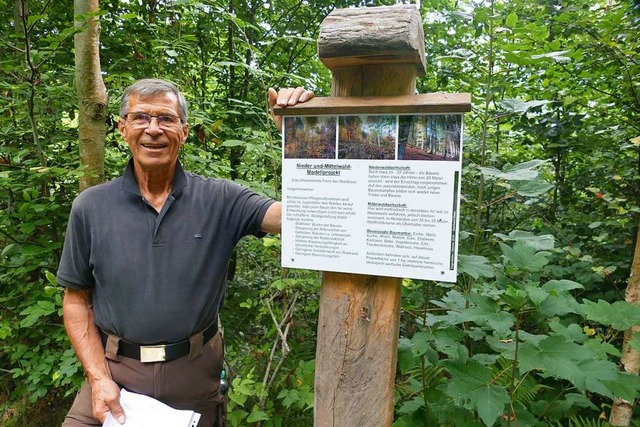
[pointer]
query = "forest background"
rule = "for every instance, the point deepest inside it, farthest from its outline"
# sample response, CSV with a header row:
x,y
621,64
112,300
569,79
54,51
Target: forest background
x,y
532,332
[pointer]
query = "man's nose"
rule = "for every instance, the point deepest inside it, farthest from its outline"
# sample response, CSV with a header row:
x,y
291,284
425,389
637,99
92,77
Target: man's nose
x,y
153,127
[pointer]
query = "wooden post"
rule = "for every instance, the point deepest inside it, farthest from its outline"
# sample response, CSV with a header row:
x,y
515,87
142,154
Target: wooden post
x,y
376,51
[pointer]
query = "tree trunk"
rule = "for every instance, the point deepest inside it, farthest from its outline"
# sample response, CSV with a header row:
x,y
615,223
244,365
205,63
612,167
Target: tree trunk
x,y
92,95
622,410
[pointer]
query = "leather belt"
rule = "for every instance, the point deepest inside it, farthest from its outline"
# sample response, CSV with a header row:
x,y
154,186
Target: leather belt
x,y
162,352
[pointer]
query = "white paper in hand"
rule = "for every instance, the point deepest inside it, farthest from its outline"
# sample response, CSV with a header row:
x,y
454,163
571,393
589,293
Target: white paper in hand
x,y
145,411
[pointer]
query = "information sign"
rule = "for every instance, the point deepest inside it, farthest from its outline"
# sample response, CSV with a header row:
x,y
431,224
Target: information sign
x,y
375,194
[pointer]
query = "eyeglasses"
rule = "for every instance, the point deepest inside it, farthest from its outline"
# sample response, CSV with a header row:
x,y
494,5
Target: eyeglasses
x,y
143,120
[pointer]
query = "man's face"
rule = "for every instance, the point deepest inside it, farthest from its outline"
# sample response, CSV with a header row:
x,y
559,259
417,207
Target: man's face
x,y
155,146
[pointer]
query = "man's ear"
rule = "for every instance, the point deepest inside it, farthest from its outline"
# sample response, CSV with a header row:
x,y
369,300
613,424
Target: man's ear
x,y
121,127
185,132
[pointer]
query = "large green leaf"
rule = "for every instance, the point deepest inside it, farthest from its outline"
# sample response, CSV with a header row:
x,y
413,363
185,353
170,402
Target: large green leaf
x,y
475,266
560,56
445,341
563,285
559,305
593,376
533,188
620,315
521,107
541,242
557,357
486,311
625,386
524,256
554,356
474,384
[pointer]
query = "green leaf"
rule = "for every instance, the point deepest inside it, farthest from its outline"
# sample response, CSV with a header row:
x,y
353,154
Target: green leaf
x,y
543,242
127,16
34,18
559,305
233,143
51,278
474,383
620,315
406,358
7,248
555,356
36,311
445,341
625,386
531,188
520,107
561,286
411,406
257,416
511,20
482,15
278,284
634,342
536,294
271,241
517,58
531,164
5,331
520,172
591,375
475,266
46,306
556,56
238,398
486,311
491,172
524,256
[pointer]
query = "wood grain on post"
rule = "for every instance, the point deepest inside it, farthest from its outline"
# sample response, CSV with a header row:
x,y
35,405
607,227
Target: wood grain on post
x,y
377,51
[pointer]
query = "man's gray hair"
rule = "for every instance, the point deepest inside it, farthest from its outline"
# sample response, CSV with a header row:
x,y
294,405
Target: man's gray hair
x,y
148,87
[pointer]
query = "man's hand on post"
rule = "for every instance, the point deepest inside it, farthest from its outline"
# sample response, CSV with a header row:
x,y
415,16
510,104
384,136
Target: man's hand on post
x,y
287,97
105,397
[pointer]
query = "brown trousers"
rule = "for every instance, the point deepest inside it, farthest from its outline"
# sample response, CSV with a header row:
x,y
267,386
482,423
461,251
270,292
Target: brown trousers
x,y
191,382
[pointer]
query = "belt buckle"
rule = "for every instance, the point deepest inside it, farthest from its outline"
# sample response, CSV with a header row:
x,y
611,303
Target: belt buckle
x,y
152,353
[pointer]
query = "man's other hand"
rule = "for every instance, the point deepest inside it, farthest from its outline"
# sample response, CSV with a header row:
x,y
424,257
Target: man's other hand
x,y
105,396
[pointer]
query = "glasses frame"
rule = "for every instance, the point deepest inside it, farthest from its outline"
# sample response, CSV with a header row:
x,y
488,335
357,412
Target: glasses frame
x,y
159,118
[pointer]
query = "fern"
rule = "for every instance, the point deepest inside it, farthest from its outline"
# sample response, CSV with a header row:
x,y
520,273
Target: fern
x,y
584,422
526,389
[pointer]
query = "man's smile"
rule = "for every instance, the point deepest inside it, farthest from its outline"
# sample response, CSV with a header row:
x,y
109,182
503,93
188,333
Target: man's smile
x,y
154,146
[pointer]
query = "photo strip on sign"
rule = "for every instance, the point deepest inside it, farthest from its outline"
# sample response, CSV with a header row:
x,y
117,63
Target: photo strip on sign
x,y
373,193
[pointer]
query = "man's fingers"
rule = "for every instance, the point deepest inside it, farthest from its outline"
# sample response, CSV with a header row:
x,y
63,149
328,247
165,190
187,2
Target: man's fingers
x,y
307,95
273,97
105,398
295,96
284,95
117,412
287,97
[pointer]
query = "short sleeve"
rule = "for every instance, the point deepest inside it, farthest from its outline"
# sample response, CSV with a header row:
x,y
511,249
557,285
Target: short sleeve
x,y
247,210
75,269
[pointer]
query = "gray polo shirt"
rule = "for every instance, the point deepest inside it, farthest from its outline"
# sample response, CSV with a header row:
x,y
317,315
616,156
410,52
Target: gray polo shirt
x,y
157,277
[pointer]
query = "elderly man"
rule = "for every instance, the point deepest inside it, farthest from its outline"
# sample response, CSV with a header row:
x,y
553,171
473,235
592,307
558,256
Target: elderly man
x,y
144,266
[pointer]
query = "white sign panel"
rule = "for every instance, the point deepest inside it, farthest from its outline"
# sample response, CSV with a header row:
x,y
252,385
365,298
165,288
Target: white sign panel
x,y
372,194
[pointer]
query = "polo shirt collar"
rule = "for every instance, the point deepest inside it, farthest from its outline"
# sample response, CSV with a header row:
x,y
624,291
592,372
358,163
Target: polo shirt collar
x,y
130,184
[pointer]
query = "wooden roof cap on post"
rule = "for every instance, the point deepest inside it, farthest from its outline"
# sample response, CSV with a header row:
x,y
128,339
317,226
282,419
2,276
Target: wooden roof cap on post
x,y
372,35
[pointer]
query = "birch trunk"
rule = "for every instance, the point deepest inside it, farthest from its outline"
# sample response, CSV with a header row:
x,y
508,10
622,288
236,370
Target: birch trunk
x,y
92,94
622,410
